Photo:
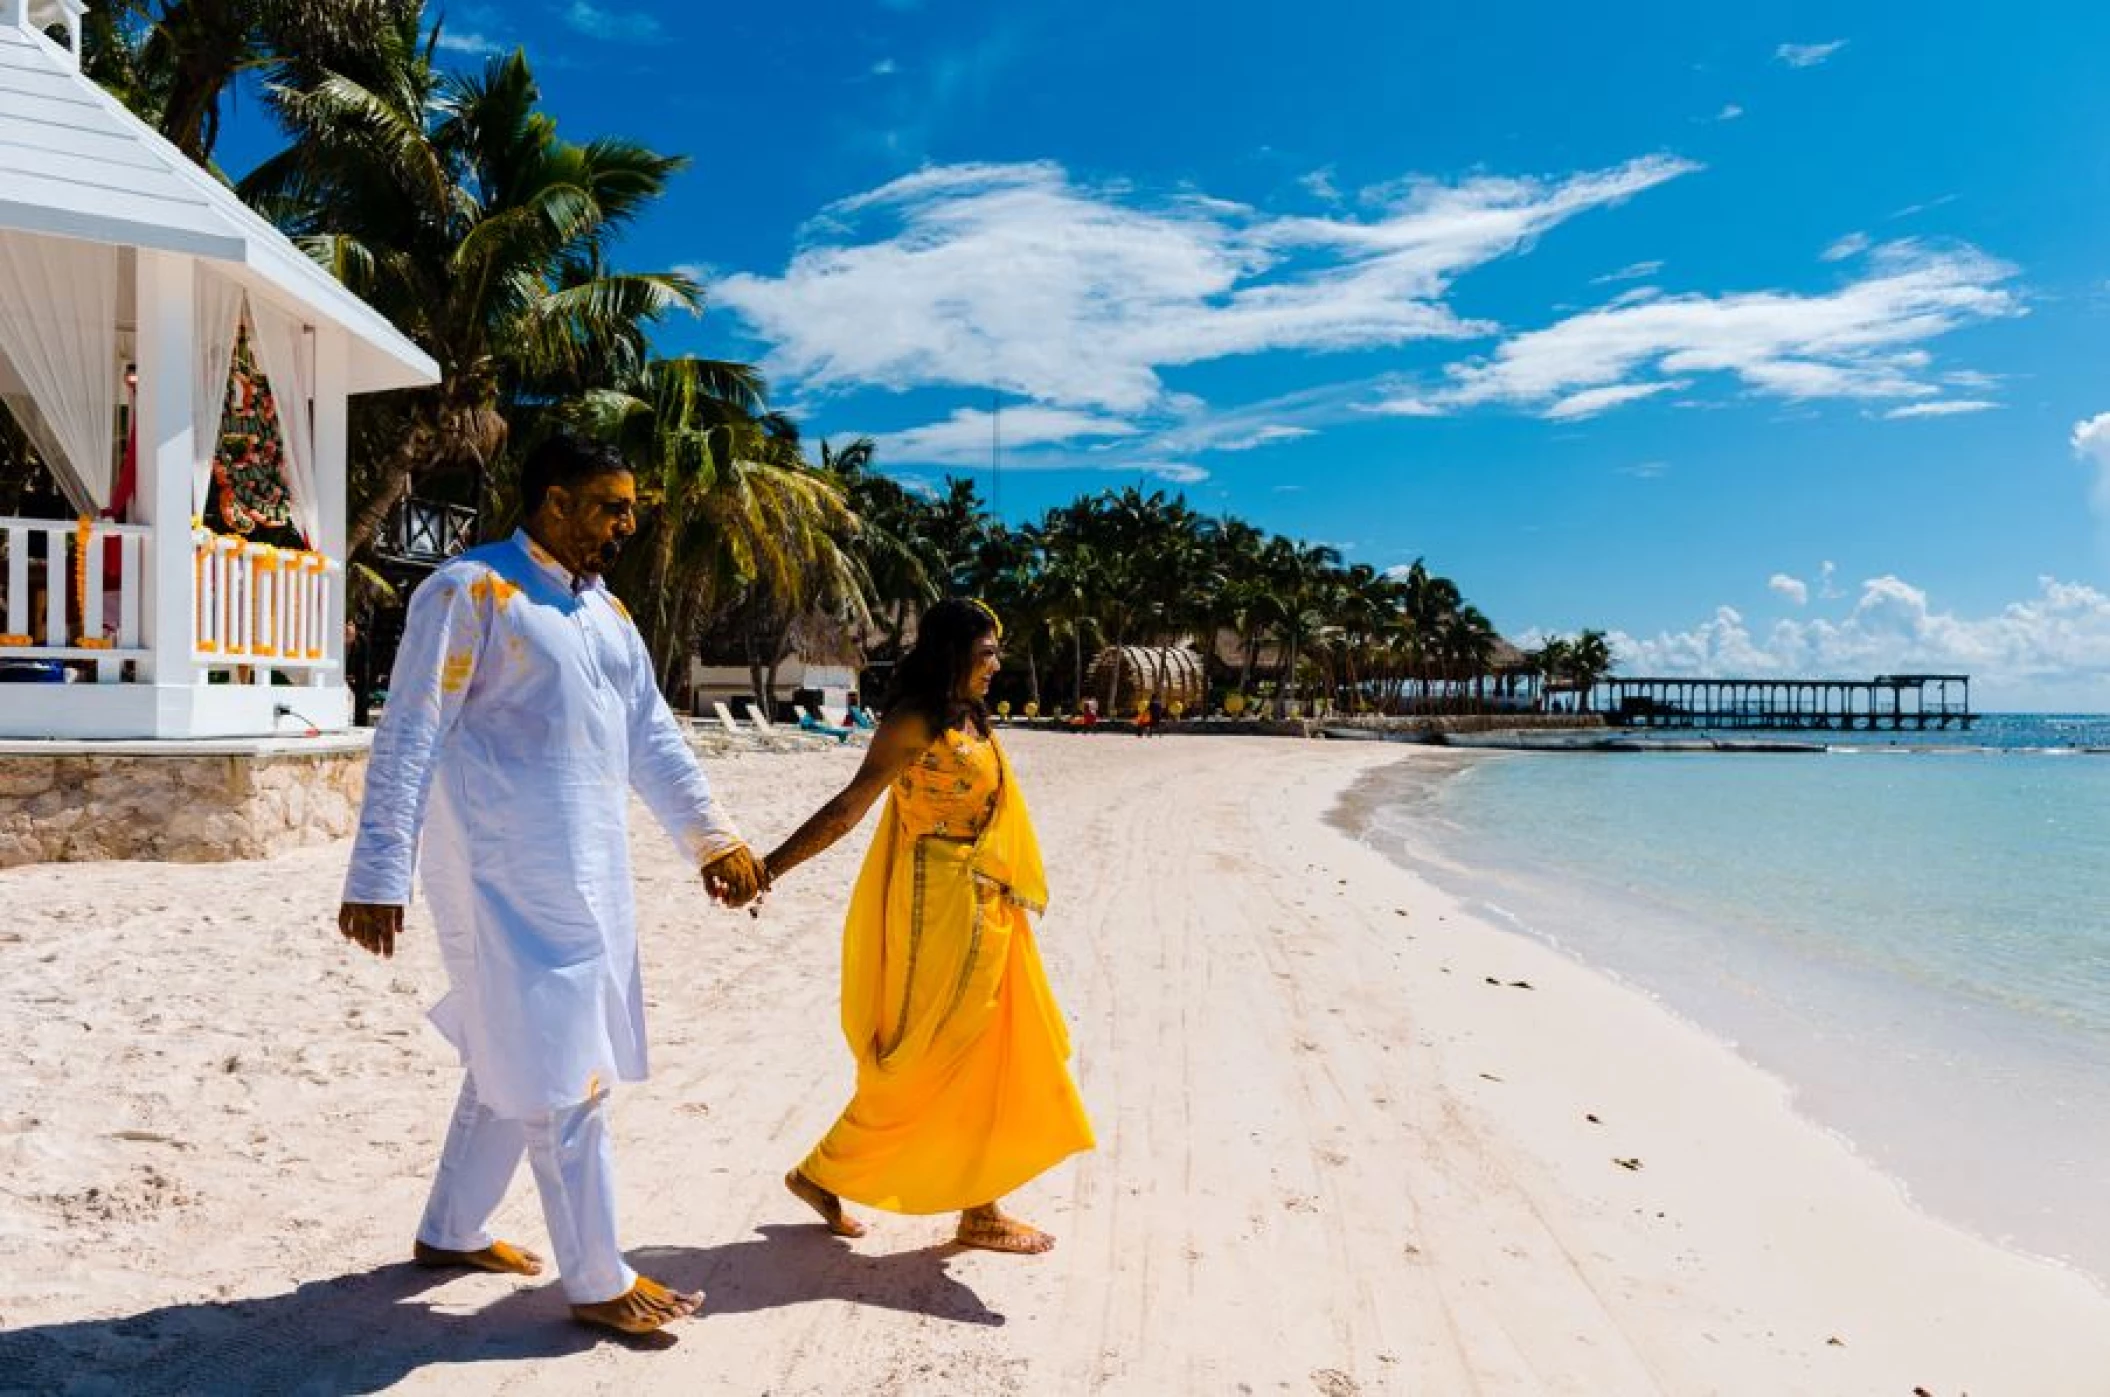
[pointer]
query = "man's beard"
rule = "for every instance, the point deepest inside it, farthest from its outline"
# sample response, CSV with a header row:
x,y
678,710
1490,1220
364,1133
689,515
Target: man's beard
x,y
604,557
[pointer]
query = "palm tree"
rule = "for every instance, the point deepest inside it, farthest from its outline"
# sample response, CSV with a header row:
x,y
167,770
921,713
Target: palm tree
x,y
450,203
1296,571
1552,662
1468,643
896,539
1589,660
733,518
174,62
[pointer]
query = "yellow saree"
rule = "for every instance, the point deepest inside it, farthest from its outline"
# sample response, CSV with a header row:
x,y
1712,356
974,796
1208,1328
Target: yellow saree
x,y
963,1084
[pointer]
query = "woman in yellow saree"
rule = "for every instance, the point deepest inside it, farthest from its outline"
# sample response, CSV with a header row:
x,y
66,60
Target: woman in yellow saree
x,y
963,1084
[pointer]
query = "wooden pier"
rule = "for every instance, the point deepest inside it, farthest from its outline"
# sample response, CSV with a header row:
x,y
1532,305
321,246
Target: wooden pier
x,y
1886,703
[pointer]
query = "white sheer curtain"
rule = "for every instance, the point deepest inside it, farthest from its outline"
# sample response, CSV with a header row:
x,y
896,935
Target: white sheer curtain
x,y
282,352
58,332
218,321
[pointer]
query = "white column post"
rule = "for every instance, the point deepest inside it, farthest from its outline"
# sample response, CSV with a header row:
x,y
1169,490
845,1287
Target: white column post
x,y
332,479
165,349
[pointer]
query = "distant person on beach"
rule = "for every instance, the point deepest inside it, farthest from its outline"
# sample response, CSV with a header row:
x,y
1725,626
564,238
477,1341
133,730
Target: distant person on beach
x,y
525,704
1158,715
963,1084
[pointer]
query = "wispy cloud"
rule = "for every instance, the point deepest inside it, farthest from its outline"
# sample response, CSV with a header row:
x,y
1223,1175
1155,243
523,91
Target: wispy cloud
x,y
1632,271
1861,341
1265,436
2054,643
969,436
1646,470
1807,55
1017,277
1793,588
1851,245
631,24
1946,407
1730,111
1591,401
1319,184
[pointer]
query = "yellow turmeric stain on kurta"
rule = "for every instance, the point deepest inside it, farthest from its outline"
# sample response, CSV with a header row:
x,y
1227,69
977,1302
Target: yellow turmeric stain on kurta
x,y
455,672
620,609
493,591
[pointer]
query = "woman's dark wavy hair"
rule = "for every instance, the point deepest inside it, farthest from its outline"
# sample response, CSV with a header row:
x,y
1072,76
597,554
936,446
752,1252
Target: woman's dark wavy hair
x,y
924,680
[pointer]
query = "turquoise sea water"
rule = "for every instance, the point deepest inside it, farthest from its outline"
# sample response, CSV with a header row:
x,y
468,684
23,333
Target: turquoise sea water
x,y
1916,940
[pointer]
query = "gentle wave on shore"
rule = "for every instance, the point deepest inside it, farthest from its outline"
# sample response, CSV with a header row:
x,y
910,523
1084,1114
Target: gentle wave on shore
x,y
1914,945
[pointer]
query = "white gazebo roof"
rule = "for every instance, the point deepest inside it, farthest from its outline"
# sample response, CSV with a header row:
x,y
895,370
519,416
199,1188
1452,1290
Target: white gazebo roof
x,y
75,163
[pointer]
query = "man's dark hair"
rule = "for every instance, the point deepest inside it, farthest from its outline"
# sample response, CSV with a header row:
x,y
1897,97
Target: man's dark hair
x,y
565,460
925,678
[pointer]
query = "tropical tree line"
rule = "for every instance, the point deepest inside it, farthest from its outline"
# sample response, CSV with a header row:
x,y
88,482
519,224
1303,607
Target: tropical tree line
x,y
451,201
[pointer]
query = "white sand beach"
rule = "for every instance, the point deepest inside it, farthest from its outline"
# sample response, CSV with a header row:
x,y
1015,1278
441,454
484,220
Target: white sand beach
x,y
1351,1141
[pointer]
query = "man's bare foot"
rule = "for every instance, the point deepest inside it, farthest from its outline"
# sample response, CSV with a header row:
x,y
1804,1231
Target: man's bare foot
x,y
825,1203
503,1257
989,1229
645,1308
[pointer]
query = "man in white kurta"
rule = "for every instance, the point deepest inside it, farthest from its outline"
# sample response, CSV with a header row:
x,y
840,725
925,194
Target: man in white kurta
x,y
523,711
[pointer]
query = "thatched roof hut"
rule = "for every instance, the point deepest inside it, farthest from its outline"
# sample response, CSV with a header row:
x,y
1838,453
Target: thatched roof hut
x,y
1135,672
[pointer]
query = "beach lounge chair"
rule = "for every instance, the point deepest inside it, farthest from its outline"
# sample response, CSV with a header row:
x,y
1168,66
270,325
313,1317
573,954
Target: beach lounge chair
x,y
810,721
787,738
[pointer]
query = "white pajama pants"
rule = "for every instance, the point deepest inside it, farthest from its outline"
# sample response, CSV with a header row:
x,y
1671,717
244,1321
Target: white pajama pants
x,y
569,1152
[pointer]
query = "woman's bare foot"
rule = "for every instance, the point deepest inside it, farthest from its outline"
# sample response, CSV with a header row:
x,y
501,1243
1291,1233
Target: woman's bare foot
x,y
825,1203
990,1229
645,1308
503,1257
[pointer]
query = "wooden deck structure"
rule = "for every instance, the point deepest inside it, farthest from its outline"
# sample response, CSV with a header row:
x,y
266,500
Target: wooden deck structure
x,y
1886,703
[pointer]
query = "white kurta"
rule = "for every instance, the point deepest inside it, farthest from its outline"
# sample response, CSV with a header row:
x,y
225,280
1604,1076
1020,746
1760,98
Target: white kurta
x,y
522,712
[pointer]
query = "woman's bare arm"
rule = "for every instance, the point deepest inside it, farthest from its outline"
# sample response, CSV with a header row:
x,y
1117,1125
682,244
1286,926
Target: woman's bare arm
x,y
900,740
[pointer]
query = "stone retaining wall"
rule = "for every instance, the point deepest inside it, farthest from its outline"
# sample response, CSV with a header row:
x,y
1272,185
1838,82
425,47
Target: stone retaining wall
x,y
202,807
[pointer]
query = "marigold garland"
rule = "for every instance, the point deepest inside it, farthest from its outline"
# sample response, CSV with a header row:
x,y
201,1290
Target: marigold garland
x,y
83,530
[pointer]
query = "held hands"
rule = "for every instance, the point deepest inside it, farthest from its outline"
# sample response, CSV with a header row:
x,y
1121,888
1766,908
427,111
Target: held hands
x,y
736,877
373,925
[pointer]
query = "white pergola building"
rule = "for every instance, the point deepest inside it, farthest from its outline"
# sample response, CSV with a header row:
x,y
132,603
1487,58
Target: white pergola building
x,y
115,250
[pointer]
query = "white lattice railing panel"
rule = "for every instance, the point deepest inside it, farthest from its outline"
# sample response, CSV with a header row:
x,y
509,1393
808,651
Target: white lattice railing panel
x,y
73,590
263,606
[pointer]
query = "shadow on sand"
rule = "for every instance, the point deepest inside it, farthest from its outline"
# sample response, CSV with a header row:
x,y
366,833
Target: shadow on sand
x,y
365,1332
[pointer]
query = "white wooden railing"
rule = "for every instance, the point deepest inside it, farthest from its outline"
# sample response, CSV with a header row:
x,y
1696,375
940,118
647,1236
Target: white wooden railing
x,y
78,617
260,605
264,608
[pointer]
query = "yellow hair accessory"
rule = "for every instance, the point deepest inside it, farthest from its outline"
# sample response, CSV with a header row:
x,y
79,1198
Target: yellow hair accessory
x,y
978,604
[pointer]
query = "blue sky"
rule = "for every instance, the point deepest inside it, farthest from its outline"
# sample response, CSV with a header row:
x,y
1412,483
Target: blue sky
x,y
1770,339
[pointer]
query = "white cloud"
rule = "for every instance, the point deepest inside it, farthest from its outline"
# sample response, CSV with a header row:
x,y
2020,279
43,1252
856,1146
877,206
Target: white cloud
x,y
1859,341
1591,401
884,68
1850,245
1730,111
1807,55
1633,271
452,41
1177,472
2050,649
1827,584
1793,588
1406,405
1017,277
966,438
1263,437
1319,184
1945,407
1646,470
594,22
2091,442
